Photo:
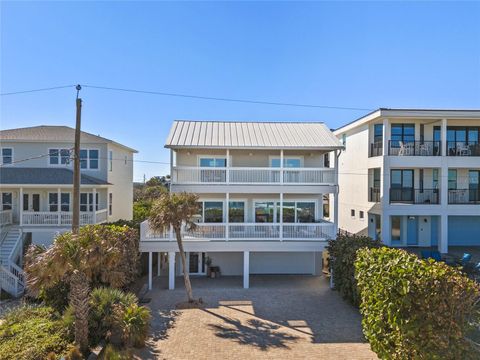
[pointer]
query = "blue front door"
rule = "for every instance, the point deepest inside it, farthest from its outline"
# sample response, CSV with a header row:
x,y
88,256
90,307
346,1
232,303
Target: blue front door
x,y
412,230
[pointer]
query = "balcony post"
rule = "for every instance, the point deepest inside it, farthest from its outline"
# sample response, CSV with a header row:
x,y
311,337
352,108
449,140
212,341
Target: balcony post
x,y
159,263
246,269
59,205
94,215
227,172
281,166
21,206
281,216
443,137
335,194
227,215
150,256
386,229
386,137
443,241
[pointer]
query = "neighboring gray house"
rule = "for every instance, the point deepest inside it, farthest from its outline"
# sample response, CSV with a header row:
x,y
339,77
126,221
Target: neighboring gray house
x,y
36,180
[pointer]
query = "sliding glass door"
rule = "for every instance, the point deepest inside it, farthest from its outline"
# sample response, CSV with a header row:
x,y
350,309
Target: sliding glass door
x,y
401,185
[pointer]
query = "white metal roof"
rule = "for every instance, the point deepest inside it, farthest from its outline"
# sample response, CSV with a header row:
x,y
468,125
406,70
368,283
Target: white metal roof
x,y
269,135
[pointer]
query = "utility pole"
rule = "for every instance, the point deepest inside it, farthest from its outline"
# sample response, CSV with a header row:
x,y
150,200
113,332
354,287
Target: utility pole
x,y
76,167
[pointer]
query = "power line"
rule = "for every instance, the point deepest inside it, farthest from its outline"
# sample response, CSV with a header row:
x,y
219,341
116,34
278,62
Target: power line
x,y
198,97
225,99
36,90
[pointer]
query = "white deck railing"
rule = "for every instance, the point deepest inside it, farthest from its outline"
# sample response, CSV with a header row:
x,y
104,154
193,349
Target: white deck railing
x,y
246,232
46,218
5,217
252,175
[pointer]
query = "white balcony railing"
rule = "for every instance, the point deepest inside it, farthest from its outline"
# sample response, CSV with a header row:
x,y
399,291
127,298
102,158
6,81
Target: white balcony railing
x,y
5,217
46,218
252,175
246,232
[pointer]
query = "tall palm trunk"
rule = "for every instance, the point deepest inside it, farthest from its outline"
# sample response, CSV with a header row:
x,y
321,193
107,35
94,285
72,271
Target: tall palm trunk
x,y
79,294
186,277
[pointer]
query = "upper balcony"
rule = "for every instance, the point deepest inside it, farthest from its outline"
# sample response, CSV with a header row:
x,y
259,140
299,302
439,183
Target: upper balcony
x,y
195,175
414,148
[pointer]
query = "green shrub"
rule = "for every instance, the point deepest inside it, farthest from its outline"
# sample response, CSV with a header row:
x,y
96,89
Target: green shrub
x,y
30,333
102,316
415,309
110,352
134,321
56,296
343,252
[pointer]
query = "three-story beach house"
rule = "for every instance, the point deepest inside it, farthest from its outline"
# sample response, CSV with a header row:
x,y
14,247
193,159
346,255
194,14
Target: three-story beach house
x,y
264,190
411,177
36,180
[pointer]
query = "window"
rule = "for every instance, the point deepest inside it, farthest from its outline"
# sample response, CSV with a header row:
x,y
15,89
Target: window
x,y
288,162
452,179
59,156
305,212
376,178
361,215
352,212
264,211
236,212
326,206
87,203
89,159
110,160
402,179
53,202
422,133
474,185
7,201
435,178
421,181
288,212
326,160
110,204
213,211
396,222
213,162
65,202
296,211
403,132
7,156
378,133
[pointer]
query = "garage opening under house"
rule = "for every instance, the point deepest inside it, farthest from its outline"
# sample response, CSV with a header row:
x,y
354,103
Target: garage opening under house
x,y
263,198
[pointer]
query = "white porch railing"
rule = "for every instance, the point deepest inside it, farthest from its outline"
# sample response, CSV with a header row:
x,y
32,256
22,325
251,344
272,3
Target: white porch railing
x,y
46,218
246,232
5,217
252,175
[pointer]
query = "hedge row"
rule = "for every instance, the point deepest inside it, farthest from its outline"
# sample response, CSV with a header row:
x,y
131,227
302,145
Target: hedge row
x,y
415,309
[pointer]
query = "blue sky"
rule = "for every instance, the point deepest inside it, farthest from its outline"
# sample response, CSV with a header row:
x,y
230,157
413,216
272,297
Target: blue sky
x,y
352,54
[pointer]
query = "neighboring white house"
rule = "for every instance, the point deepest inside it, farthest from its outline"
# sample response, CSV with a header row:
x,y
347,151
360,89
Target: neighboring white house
x,y
36,184
262,188
411,177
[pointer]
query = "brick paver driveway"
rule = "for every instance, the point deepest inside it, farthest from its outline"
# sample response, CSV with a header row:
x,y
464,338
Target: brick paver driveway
x,y
279,317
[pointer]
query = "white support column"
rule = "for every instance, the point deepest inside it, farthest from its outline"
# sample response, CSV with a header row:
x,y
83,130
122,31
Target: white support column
x,y
281,166
227,172
443,137
171,270
246,269
386,229
150,256
94,215
59,205
227,215
281,216
173,178
159,262
21,206
336,154
443,240
386,136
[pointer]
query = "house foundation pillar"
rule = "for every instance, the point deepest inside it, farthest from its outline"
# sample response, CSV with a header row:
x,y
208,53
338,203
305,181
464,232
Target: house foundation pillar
x,y
150,257
443,240
171,270
246,269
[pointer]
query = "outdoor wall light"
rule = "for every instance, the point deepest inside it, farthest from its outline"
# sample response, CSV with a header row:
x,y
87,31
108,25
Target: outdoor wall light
x,y
188,153
371,220
425,220
250,154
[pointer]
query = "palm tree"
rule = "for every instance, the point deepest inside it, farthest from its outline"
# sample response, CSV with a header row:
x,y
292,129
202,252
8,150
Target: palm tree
x,y
176,210
83,259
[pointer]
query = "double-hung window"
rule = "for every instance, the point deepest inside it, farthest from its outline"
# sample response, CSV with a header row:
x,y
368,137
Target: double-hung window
x,y
7,201
7,156
89,159
59,156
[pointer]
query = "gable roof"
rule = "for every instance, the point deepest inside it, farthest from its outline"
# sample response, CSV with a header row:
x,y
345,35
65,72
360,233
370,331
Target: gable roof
x,y
54,133
43,176
241,135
